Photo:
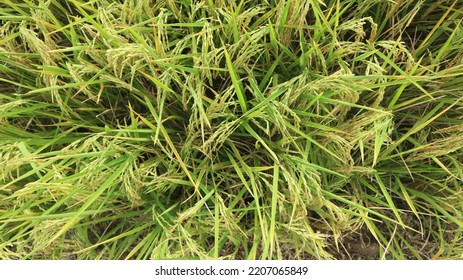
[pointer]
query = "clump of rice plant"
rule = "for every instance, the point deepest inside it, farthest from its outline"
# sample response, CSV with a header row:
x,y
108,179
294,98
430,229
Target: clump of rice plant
x,y
231,129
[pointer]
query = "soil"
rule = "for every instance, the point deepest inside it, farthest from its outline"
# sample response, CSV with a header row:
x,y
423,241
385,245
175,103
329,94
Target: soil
x,y
420,241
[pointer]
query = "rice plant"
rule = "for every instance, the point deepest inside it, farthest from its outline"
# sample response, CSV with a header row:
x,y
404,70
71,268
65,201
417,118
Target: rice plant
x,y
140,129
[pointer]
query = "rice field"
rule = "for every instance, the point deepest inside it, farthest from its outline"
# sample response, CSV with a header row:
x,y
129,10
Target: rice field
x,y
187,129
